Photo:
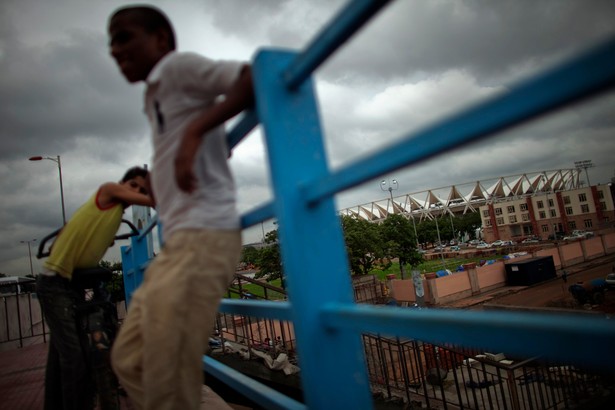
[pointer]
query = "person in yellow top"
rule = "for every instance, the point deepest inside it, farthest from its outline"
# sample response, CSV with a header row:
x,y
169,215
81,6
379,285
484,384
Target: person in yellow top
x,y
81,243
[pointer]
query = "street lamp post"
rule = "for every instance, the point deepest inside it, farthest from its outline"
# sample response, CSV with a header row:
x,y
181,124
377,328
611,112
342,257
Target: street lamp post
x,y
57,161
393,185
30,255
584,165
440,241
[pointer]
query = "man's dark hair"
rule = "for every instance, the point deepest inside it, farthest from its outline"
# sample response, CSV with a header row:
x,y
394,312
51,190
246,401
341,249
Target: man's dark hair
x,y
150,18
135,172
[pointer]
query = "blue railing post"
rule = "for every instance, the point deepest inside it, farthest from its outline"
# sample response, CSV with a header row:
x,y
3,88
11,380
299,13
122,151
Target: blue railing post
x,y
134,259
333,371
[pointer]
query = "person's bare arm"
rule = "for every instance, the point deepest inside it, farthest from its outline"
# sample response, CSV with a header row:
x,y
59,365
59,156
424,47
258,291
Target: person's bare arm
x,y
240,97
111,193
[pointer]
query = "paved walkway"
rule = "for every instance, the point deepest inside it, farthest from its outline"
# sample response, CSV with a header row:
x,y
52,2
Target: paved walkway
x,y
22,378
22,382
22,375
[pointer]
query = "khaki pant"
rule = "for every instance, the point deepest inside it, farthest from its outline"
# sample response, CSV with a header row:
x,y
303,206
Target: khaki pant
x,y
157,355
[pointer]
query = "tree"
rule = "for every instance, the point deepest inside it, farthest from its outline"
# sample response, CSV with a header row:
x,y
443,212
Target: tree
x,y
363,244
397,234
249,255
115,286
269,260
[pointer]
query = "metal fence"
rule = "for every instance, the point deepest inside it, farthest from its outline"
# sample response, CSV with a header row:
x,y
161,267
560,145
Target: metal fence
x,y
20,315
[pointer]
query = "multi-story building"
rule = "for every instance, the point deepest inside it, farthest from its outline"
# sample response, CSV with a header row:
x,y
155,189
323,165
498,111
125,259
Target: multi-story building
x,y
547,214
541,203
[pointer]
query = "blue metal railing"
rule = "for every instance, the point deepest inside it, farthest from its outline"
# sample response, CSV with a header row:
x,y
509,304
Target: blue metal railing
x,y
327,323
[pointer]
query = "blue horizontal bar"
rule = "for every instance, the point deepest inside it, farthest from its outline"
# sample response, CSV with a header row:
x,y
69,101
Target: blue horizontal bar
x,y
256,308
588,74
148,228
352,17
261,213
261,394
554,336
248,121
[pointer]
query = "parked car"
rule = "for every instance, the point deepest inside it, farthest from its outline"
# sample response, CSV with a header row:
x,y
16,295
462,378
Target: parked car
x,y
454,248
610,280
473,242
483,245
584,234
530,240
578,234
499,242
508,243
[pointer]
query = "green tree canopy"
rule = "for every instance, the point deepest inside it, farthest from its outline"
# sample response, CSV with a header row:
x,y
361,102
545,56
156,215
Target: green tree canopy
x,y
269,261
397,234
363,244
115,286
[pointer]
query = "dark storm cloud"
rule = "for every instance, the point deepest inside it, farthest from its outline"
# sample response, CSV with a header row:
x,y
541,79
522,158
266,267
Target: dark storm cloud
x,y
492,39
53,95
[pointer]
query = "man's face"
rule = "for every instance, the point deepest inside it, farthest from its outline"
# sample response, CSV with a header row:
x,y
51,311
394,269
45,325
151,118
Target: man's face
x,y
135,50
137,184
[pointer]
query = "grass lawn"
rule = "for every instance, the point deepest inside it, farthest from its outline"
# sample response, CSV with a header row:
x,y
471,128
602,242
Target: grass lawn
x,y
427,266
430,266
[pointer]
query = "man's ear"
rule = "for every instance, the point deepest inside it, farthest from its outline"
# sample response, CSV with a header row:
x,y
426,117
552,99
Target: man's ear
x,y
162,40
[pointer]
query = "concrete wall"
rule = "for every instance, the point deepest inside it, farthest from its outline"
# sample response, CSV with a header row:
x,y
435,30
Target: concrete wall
x,y
592,248
608,242
479,279
491,276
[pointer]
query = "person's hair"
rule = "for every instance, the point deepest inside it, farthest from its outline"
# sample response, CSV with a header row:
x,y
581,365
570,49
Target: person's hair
x,y
134,172
150,18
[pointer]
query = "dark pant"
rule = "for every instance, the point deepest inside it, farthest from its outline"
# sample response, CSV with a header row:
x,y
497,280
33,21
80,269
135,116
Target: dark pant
x,y
68,384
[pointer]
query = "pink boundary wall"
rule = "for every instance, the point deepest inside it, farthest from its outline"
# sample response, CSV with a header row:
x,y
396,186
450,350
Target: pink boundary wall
x,y
476,280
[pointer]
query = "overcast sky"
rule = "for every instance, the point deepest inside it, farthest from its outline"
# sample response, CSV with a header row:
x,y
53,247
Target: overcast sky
x,y
418,61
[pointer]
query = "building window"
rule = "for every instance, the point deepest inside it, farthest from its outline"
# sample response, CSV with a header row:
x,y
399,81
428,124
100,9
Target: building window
x,y
486,213
585,208
582,198
542,214
540,205
568,210
499,221
512,219
588,223
603,206
553,213
572,225
600,194
551,203
545,228
511,209
523,207
525,217
567,200
488,222
498,211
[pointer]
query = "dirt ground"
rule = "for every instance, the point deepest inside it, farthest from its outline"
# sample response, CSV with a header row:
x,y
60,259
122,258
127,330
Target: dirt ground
x,y
552,294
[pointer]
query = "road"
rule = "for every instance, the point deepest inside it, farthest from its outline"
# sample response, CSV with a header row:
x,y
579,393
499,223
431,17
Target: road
x,y
553,293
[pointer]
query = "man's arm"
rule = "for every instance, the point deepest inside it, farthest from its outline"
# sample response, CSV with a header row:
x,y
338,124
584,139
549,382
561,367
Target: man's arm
x,y
239,97
112,193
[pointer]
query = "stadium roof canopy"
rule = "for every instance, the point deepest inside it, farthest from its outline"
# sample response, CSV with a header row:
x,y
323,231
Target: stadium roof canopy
x,y
466,197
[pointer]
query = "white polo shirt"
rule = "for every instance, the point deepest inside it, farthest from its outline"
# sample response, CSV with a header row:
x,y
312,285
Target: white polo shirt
x,y
179,88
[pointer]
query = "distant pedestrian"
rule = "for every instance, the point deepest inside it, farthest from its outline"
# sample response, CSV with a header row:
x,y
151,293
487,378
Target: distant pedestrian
x,y
565,276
